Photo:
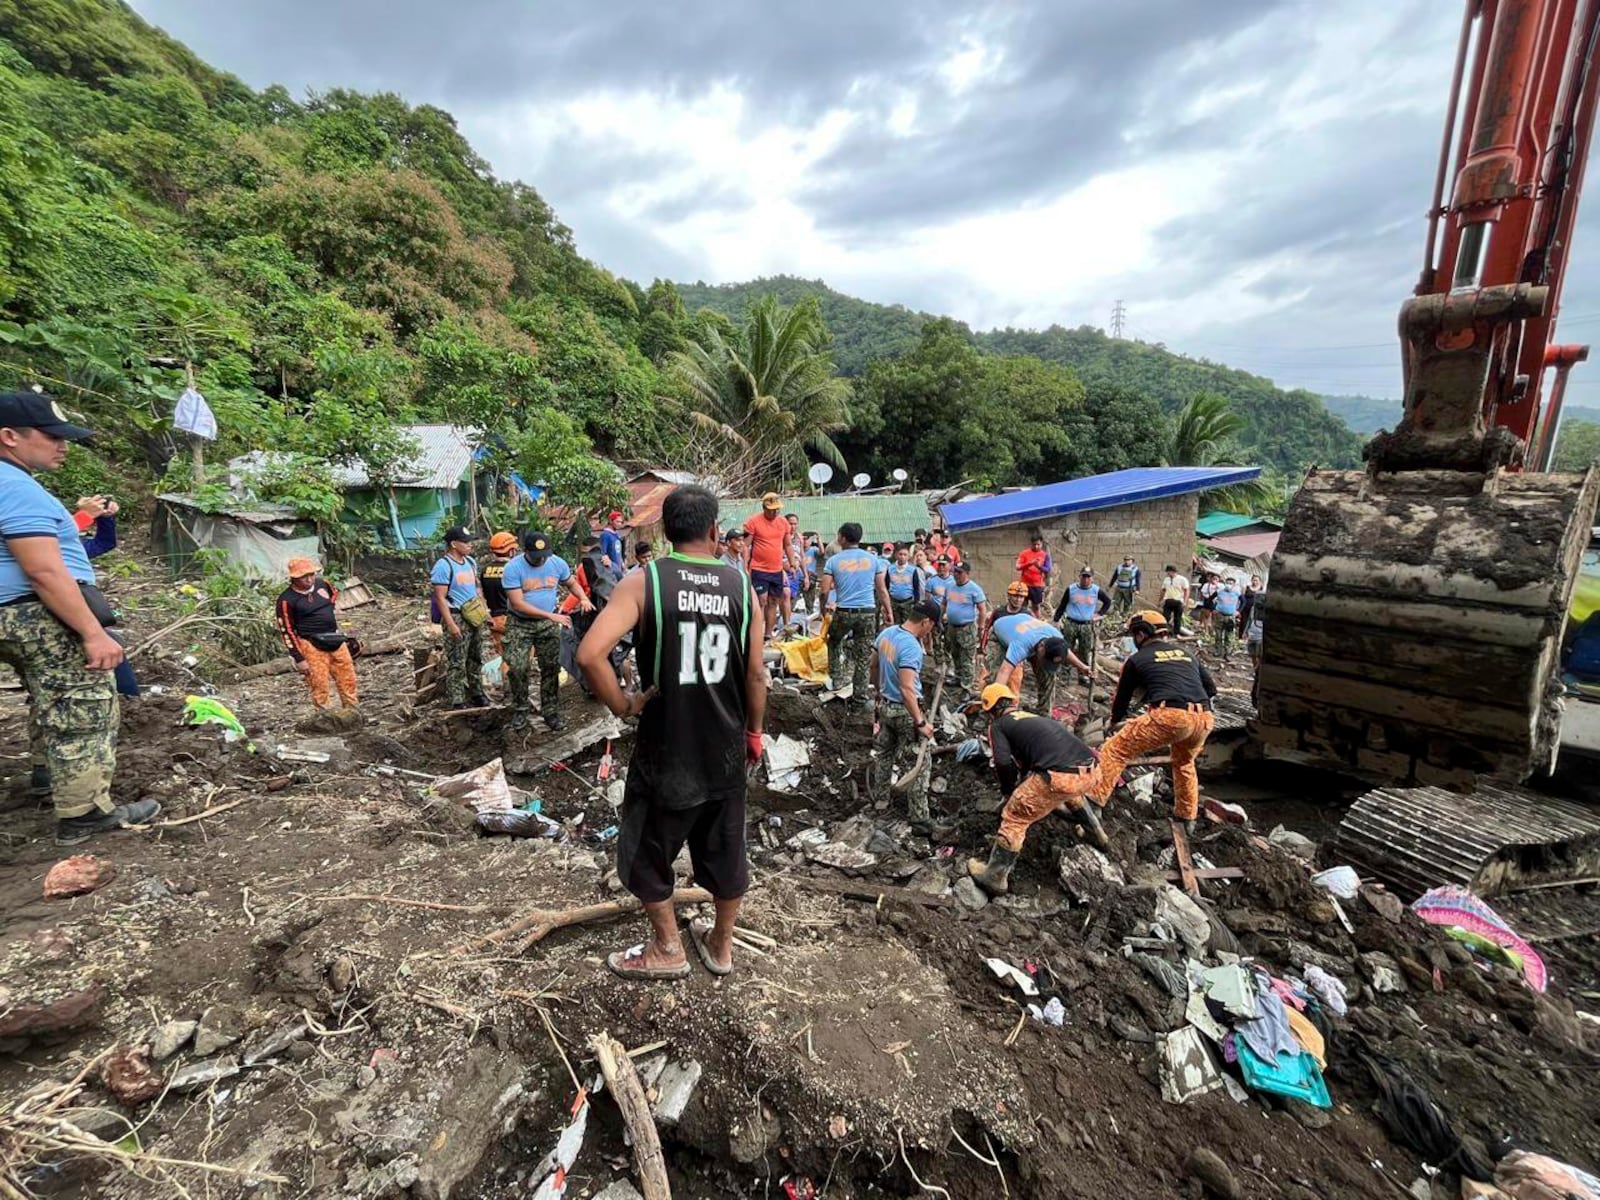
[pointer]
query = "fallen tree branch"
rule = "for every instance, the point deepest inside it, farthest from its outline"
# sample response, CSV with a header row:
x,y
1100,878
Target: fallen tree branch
x,y
622,1081
542,922
199,816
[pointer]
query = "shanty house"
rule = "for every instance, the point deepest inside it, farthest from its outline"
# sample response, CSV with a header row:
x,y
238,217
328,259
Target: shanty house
x,y
258,539
1148,512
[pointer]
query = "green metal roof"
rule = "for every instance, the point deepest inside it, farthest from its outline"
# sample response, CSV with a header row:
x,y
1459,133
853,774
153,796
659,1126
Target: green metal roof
x,y
1214,523
891,518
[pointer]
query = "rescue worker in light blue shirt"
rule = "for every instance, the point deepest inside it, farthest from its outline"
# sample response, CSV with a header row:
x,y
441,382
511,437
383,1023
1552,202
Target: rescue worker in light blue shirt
x,y
853,592
454,581
897,674
1028,639
964,605
1225,620
903,579
53,628
1082,605
534,581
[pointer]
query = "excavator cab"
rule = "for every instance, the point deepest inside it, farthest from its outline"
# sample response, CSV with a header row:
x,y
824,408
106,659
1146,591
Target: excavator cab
x,y
1418,606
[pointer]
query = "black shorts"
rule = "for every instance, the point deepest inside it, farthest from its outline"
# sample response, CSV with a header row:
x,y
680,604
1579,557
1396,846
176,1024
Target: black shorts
x,y
651,837
1036,595
768,583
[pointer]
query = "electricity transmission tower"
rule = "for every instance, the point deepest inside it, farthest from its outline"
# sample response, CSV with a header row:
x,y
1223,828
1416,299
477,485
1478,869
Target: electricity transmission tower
x,y
1119,318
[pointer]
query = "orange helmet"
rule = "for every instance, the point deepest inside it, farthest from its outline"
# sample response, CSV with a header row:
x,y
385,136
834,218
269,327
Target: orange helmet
x,y
503,543
1148,622
1017,588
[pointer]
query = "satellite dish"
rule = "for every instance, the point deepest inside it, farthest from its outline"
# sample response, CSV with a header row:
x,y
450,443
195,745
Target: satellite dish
x,y
820,473
899,474
862,480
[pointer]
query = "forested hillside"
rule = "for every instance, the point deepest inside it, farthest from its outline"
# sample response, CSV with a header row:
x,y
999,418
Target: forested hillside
x,y
1364,414
1285,429
327,268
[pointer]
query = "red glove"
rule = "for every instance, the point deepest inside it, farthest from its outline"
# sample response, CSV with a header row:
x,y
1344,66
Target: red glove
x,y
753,748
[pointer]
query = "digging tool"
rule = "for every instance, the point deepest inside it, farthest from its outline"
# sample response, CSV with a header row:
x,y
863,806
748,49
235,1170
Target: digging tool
x,y
539,924
924,752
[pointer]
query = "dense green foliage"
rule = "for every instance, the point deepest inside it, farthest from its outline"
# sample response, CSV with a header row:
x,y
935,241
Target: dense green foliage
x,y
329,268
1577,446
1364,414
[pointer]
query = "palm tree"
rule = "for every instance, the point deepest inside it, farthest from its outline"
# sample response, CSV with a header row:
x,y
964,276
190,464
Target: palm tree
x,y
769,392
1203,437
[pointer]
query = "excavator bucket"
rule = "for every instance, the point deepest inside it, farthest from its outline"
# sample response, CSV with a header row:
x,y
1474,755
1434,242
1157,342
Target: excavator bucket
x,y
1414,622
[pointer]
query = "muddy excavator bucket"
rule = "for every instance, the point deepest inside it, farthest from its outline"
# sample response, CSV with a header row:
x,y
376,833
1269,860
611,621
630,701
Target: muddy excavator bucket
x,y
1414,621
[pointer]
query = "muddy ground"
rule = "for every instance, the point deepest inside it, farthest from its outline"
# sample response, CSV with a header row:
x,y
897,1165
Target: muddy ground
x,y
328,930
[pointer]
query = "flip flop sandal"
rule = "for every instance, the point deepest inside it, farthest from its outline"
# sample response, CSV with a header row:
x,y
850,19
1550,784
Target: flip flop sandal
x,y
697,934
619,961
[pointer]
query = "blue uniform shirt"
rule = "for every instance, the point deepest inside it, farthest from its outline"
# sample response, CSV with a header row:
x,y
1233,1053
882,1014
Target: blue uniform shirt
x,y
898,649
1083,602
540,586
1019,633
935,587
813,559
902,581
855,577
27,510
961,602
461,578
1228,601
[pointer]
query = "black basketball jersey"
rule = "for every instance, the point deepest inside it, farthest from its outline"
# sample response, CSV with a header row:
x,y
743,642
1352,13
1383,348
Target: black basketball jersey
x,y
693,648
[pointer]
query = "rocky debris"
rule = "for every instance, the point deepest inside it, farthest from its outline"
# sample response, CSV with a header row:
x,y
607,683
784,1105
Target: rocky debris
x,y
1213,1174
1296,844
1382,972
78,876
220,1026
969,895
204,1072
25,1020
50,946
472,1108
620,1190
675,1088
152,889
1087,874
170,1037
930,880
276,1043
1386,904
841,857
129,1076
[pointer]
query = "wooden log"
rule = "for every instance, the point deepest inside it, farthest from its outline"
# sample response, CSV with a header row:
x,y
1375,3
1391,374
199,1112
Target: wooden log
x,y
282,666
622,1081
542,922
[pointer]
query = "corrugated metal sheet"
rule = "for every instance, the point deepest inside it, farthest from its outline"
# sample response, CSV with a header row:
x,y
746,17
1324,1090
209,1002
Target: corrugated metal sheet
x,y
1418,838
1214,524
1094,491
882,518
1246,545
443,454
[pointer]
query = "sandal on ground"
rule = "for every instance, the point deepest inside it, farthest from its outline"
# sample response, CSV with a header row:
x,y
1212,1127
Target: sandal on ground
x,y
629,965
698,930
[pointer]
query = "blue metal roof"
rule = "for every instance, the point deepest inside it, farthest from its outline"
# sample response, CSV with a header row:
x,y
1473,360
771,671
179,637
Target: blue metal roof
x,y
1091,492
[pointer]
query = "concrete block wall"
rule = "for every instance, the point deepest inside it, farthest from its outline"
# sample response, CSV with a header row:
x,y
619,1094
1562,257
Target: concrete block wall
x,y
1155,532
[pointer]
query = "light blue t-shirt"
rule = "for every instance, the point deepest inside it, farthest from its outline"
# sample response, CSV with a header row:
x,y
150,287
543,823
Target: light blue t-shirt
x,y
902,581
460,577
27,510
897,649
935,587
1019,633
1083,602
813,559
540,586
961,602
1228,602
855,577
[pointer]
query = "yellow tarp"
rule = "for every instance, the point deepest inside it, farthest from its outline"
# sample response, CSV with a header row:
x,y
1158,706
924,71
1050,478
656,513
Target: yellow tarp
x,y
808,657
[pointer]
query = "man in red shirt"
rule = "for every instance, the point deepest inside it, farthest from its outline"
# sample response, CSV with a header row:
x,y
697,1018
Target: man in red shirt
x,y
1033,568
772,551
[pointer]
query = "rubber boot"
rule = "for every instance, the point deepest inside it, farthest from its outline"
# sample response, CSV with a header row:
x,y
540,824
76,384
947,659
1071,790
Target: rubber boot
x,y
1090,820
993,876
73,830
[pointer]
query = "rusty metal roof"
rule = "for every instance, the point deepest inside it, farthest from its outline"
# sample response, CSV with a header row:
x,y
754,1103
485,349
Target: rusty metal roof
x,y
1418,838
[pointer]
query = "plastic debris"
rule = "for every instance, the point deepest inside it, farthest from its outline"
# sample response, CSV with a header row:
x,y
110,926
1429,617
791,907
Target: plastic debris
x,y
1053,1013
1187,1066
482,789
205,710
1231,987
552,1172
1294,1075
1329,988
1457,908
971,749
1295,843
1005,972
1343,882
518,823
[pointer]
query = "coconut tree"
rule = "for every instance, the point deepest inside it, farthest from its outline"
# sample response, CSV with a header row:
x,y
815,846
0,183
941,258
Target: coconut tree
x,y
1203,436
767,392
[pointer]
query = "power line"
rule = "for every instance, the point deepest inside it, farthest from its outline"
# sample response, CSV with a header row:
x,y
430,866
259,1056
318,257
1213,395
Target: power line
x,y
1119,319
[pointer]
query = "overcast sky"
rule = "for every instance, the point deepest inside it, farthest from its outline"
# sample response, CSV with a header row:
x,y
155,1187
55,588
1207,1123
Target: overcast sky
x,y
1248,176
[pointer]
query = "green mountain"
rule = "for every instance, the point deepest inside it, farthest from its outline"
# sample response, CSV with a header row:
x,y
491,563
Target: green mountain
x,y
1289,430
1364,414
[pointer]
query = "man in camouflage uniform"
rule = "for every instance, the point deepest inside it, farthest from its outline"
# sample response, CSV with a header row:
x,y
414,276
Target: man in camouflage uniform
x,y
52,627
454,582
534,581
897,674
854,593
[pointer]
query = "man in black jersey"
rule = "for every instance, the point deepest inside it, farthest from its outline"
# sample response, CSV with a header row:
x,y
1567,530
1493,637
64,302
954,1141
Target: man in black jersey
x,y
698,634
1177,693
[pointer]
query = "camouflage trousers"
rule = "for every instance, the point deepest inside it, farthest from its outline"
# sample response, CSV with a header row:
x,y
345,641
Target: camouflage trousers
x,y
901,609
542,639
960,648
850,650
1122,601
1080,638
895,734
463,663
1224,635
74,710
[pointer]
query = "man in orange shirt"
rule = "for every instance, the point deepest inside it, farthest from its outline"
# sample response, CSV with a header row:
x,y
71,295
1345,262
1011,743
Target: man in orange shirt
x,y
1033,568
772,551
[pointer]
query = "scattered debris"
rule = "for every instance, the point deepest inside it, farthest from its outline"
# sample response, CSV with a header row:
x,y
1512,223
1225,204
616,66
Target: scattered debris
x,y
1187,1068
129,1076
171,1037
220,1026
675,1088
483,789
77,876
203,1072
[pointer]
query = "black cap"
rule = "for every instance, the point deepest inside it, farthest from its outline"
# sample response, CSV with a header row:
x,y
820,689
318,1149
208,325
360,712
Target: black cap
x,y
37,410
537,545
736,531
927,608
964,567
456,533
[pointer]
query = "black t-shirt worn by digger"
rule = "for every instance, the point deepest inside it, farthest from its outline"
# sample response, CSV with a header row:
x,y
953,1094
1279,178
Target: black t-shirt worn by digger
x,y
494,590
1167,673
309,617
1023,741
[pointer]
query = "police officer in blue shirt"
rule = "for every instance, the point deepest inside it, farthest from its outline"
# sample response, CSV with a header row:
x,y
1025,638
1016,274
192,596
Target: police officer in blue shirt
x,y
53,626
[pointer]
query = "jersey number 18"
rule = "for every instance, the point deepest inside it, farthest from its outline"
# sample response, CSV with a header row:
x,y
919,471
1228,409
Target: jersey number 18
x,y
702,655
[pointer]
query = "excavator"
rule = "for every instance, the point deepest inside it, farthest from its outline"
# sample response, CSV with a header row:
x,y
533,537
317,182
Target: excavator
x,y
1416,607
